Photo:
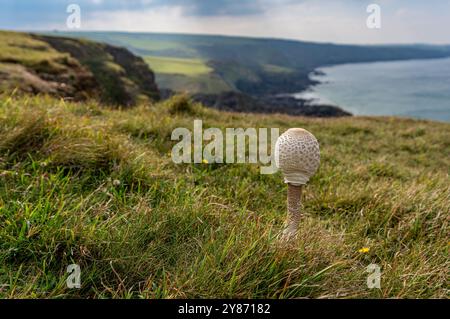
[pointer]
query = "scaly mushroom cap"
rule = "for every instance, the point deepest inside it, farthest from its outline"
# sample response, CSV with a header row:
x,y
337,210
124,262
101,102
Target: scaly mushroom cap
x,y
297,155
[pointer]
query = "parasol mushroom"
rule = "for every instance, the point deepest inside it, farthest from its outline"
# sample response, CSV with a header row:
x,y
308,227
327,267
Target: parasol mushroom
x,y
297,155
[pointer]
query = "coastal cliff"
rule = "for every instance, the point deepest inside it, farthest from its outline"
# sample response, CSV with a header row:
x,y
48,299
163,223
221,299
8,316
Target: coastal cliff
x,y
74,69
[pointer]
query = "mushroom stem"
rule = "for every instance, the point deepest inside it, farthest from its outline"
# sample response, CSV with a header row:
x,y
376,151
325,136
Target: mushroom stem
x,y
293,214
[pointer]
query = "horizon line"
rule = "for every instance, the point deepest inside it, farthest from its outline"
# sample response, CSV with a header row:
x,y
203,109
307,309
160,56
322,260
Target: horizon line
x,y
230,36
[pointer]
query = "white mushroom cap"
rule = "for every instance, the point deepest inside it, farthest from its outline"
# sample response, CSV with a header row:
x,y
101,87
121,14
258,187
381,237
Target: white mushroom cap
x,y
297,155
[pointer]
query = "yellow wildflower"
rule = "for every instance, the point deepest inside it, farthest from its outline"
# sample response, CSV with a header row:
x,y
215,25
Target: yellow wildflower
x,y
205,161
364,250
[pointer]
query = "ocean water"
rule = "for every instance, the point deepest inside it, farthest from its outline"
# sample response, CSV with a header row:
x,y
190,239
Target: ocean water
x,y
414,88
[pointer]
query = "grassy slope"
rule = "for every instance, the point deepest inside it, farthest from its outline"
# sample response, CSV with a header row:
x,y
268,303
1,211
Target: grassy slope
x,y
73,68
178,65
96,186
20,47
186,75
23,57
189,67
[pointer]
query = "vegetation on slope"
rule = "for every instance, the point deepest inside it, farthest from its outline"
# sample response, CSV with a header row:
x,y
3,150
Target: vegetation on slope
x,y
186,75
71,68
96,186
33,66
189,67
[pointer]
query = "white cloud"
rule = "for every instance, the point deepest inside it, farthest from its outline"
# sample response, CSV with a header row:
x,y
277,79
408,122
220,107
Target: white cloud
x,y
162,19
306,20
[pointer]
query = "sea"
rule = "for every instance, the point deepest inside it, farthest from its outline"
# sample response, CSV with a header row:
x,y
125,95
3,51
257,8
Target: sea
x,y
414,88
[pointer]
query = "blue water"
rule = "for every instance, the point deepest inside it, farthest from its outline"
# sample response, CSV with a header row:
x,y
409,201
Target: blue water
x,y
415,88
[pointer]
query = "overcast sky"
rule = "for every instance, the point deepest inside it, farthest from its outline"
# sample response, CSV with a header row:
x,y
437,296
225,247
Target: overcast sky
x,y
341,21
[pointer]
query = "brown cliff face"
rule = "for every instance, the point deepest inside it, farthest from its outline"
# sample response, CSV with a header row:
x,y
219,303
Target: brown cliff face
x,y
136,69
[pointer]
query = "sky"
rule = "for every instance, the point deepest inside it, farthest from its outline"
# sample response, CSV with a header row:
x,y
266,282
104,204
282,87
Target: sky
x,y
339,21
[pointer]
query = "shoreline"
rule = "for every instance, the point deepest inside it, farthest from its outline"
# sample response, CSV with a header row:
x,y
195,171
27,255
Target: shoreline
x,y
284,103
381,88
308,94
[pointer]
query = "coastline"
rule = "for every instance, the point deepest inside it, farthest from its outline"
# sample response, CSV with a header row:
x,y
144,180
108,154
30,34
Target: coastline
x,y
283,103
298,103
308,94
416,88
279,103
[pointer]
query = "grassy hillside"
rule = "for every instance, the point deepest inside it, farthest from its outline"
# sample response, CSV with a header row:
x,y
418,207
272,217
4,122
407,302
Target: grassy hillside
x,y
73,68
186,75
189,67
252,65
96,186
33,66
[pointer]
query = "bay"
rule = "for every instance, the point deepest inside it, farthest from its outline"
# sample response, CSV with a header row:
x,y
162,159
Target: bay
x,y
414,88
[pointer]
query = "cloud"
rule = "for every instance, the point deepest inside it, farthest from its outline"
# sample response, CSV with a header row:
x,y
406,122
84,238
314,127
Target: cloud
x,y
162,19
342,21
303,20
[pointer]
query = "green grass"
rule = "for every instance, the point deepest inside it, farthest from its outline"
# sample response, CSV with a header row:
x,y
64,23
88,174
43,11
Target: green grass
x,y
20,53
95,186
80,69
23,58
21,48
166,65
186,75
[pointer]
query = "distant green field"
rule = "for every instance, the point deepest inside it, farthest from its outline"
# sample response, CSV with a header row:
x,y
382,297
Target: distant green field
x,y
189,67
